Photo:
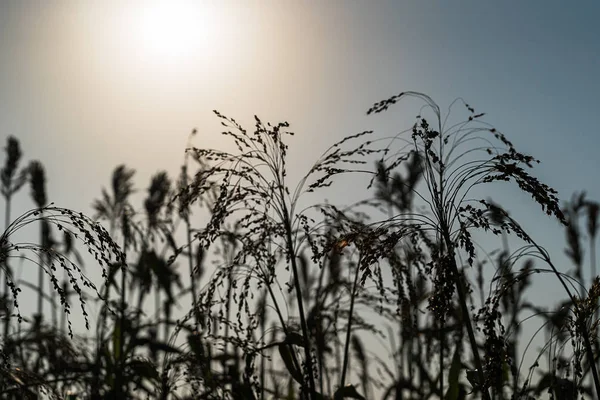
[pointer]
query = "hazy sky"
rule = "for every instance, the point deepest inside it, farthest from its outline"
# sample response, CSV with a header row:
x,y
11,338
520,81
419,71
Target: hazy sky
x,y
88,85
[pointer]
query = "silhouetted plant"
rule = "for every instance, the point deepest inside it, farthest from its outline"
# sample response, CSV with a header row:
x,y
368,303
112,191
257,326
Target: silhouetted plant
x,y
116,209
12,179
286,303
90,234
456,159
37,180
252,184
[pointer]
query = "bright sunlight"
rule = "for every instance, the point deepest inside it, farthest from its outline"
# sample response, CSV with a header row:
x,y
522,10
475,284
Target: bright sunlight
x,y
175,30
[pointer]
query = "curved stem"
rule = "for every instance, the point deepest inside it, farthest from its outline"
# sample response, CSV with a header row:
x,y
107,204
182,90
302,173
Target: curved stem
x,y
458,282
580,322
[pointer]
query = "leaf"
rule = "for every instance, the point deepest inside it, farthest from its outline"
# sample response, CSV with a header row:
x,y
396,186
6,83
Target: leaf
x,y
294,338
358,349
286,355
473,378
348,391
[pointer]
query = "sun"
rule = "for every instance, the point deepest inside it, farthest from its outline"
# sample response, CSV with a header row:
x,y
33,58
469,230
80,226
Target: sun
x,y
172,30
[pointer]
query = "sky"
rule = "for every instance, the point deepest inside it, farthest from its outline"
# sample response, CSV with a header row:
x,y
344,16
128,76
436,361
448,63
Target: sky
x,y
86,86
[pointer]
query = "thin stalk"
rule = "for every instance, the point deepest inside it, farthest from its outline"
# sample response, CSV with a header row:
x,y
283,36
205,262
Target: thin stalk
x,y
122,324
121,357
227,316
283,326
53,305
192,274
466,316
338,351
8,272
463,305
157,306
458,282
51,294
349,328
262,363
167,317
593,259
319,332
100,327
412,337
580,322
401,356
594,274
63,316
513,321
590,353
441,339
188,228
41,276
226,255
448,247
298,288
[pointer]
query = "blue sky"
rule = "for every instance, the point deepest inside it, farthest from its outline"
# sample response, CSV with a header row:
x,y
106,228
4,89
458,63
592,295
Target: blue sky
x,y
84,90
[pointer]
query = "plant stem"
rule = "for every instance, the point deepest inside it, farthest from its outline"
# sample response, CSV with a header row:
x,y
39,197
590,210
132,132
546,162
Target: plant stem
x,y
458,282
305,334
227,315
262,362
8,272
441,358
466,316
63,316
580,322
283,326
349,328
53,304
121,361
590,354
192,274
593,268
40,303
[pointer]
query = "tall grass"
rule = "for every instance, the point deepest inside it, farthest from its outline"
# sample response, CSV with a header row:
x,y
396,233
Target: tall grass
x,y
271,299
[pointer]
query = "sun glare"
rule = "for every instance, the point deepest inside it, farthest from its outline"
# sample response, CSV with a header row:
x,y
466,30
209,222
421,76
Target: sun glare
x,y
172,30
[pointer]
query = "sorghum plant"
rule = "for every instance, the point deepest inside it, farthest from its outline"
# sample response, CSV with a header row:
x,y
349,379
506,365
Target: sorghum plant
x,y
456,159
49,259
255,209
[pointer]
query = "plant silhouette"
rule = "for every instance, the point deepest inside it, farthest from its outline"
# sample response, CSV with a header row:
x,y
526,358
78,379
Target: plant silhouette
x,y
229,282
